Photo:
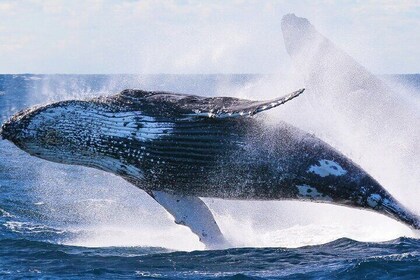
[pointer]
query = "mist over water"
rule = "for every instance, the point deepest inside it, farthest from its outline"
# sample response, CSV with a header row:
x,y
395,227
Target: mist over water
x,y
373,122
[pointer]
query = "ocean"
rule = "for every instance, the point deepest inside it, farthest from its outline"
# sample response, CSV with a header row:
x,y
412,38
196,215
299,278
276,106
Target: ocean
x,y
69,222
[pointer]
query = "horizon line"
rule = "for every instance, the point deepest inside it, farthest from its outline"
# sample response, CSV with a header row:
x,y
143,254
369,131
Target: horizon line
x,y
176,74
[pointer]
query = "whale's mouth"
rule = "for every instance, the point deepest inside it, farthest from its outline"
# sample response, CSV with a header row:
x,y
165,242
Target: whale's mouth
x,y
11,128
2,136
6,130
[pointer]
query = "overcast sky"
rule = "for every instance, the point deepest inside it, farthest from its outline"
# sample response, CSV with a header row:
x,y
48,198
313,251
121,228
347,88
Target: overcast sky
x,y
107,36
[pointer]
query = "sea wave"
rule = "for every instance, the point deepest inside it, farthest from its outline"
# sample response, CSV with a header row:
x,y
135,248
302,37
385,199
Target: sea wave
x,y
24,227
341,258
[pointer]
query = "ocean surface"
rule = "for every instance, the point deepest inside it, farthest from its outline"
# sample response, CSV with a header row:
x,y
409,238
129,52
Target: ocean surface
x,y
69,222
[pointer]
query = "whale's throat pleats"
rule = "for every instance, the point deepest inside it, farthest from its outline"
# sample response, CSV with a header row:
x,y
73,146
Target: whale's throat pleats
x,y
236,158
169,153
159,140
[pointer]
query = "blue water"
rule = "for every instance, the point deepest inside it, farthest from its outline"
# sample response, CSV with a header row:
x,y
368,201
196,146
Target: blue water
x,y
48,211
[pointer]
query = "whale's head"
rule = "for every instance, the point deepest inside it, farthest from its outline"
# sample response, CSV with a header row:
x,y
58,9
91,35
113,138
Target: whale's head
x,y
53,132
84,133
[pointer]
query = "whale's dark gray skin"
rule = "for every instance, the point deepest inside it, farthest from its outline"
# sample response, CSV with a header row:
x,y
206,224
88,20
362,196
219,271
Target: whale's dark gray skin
x,y
180,147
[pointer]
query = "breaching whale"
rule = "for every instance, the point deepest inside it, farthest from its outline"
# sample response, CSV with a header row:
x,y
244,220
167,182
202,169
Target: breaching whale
x,y
179,147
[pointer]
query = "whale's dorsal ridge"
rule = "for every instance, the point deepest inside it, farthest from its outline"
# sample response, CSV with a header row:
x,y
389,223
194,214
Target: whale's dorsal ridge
x,y
184,105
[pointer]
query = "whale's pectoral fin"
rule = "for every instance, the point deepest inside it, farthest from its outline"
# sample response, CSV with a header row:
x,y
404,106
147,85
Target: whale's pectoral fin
x,y
228,107
192,212
192,106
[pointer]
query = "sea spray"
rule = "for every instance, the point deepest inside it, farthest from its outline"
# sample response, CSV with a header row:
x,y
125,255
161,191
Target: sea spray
x,y
360,115
98,209
99,203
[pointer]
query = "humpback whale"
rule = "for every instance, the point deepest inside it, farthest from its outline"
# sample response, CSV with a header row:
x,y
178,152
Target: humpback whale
x,y
179,148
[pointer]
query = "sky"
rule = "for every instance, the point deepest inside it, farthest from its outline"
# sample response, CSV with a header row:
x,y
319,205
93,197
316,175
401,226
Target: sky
x,y
198,37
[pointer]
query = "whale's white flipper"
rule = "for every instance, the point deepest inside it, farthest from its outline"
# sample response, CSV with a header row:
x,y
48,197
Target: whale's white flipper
x,y
192,212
